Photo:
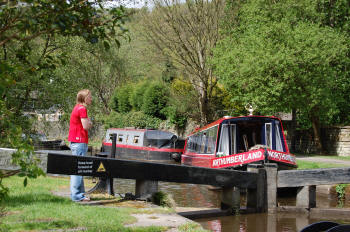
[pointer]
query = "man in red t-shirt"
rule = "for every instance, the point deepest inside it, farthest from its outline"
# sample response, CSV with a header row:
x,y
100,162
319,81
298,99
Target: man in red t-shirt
x,y
79,125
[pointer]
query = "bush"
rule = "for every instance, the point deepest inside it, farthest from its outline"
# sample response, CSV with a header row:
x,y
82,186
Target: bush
x,y
136,97
130,119
163,199
120,100
175,117
155,100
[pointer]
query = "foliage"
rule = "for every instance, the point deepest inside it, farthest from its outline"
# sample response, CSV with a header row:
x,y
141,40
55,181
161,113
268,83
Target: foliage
x,y
27,19
3,191
155,100
135,119
175,117
29,56
183,98
186,33
143,59
90,66
120,100
163,199
11,136
169,74
280,57
136,98
340,189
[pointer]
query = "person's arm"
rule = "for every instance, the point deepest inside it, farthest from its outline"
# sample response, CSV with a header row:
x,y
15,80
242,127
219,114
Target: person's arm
x,y
87,124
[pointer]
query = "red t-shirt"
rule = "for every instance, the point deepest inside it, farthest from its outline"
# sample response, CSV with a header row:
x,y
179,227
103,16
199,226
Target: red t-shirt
x,y
77,133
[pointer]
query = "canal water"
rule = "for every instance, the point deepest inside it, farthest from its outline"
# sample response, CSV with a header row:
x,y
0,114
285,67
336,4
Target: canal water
x,y
203,196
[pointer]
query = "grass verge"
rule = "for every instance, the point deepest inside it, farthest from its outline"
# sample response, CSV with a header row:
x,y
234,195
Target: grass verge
x,y
35,208
313,165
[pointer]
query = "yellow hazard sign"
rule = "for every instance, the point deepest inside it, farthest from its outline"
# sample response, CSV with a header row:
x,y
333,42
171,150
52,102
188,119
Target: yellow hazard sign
x,y
101,168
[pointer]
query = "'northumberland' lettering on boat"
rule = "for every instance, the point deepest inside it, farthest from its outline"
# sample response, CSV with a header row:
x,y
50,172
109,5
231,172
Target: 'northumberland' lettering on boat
x,y
281,156
237,159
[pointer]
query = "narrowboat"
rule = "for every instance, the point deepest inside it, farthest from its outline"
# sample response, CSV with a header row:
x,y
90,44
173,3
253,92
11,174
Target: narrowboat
x,y
144,144
235,142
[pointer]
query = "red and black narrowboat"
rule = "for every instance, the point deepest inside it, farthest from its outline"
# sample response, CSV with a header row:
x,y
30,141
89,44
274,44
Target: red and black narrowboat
x,y
144,144
234,142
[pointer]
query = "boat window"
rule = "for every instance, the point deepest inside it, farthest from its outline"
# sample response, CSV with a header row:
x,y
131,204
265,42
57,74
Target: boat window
x,y
268,135
245,141
198,140
136,139
193,143
211,139
190,144
279,146
203,145
109,136
224,142
203,142
120,138
233,139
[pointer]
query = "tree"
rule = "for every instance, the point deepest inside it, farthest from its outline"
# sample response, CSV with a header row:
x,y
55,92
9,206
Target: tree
x,y
90,66
27,31
282,58
187,32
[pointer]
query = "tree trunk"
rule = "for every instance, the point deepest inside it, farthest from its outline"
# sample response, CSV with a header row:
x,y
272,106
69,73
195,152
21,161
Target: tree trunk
x,y
293,136
317,134
203,106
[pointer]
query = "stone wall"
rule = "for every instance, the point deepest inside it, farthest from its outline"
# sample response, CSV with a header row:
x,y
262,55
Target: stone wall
x,y
59,130
6,158
335,139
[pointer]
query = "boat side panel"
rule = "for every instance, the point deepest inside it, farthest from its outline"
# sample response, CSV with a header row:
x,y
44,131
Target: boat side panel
x,y
199,161
141,154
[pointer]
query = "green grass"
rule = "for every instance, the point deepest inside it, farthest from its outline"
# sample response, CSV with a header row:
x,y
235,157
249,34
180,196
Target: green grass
x,y
323,156
35,208
313,165
346,158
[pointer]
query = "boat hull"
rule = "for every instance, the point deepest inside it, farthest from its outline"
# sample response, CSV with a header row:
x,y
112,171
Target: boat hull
x,y
241,160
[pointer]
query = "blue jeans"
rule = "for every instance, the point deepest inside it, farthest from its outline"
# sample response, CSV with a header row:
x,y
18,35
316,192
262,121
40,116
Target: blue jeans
x,y
77,189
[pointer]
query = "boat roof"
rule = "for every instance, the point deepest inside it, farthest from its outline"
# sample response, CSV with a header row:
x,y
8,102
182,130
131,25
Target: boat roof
x,y
217,122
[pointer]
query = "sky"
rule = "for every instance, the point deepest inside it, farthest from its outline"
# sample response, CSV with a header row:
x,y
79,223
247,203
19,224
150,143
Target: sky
x,y
129,3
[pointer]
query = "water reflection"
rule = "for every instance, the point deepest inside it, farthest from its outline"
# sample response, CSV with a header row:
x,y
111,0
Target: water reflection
x,y
261,223
191,195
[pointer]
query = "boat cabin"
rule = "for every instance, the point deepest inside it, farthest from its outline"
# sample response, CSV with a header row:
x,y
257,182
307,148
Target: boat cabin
x,y
144,144
237,141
